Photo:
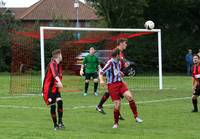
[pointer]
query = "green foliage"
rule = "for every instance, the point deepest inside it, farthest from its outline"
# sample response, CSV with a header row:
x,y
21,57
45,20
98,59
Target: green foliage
x,y
6,24
118,13
144,52
178,20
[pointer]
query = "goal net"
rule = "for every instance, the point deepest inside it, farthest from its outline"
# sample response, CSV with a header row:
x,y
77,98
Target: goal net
x,y
32,52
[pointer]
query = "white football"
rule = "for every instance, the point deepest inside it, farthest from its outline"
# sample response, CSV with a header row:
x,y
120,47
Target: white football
x,y
149,25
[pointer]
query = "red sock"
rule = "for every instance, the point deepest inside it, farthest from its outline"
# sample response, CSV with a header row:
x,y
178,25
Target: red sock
x,y
116,116
133,108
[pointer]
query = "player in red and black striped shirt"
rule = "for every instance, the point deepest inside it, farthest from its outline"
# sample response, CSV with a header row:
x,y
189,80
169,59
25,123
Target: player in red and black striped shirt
x,y
195,81
51,88
121,46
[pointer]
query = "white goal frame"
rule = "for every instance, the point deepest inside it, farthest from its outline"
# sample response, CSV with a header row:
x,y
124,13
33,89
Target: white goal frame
x,y
43,28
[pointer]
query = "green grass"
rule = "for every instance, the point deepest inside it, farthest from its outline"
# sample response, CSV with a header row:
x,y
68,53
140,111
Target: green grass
x,y
28,117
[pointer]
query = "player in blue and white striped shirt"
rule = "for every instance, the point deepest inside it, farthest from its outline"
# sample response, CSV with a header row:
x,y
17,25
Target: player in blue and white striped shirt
x,y
117,88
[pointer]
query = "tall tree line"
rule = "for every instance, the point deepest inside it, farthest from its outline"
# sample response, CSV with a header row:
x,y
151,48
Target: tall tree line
x,y
179,21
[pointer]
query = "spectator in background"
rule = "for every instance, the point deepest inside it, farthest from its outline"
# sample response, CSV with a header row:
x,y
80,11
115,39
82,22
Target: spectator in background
x,y
189,62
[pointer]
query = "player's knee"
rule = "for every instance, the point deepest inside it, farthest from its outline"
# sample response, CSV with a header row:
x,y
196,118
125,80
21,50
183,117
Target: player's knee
x,y
60,103
58,99
86,81
107,94
128,95
116,107
95,80
194,97
117,104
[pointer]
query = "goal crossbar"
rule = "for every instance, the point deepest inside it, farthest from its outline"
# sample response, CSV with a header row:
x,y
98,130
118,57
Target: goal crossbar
x,y
43,28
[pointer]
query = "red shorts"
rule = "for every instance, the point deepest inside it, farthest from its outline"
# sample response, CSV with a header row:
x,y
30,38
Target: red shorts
x,y
116,90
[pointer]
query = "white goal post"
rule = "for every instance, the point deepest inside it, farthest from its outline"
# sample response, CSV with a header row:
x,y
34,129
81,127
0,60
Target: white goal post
x,y
43,28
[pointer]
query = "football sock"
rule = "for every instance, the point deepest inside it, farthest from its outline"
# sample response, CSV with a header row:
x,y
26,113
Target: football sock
x,y
103,99
60,111
86,87
53,114
194,102
116,116
95,87
133,108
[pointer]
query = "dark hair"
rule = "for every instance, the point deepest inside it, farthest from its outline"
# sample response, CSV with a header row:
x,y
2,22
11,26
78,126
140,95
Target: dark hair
x,y
121,40
196,55
56,52
115,53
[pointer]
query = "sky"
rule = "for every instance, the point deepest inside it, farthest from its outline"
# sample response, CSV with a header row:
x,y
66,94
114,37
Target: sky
x,y
20,3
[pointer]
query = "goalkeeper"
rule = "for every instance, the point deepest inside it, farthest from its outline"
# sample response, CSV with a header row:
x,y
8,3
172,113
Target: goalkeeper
x,y
51,88
91,66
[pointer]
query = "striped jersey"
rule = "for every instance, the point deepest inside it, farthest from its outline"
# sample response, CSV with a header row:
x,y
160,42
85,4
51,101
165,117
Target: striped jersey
x,y
50,83
196,72
112,71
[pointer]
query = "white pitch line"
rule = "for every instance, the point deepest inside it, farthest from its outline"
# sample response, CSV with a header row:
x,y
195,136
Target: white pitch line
x,y
15,97
92,106
21,107
149,89
139,102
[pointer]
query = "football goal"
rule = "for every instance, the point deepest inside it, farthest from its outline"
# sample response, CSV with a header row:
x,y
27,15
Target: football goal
x,y
31,53
155,61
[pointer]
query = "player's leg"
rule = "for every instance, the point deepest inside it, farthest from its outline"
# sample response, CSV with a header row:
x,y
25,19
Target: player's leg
x,y
121,95
59,110
115,96
95,77
87,79
99,107
51,102
194,102
120,116
127,94
53,115
116,112
194,98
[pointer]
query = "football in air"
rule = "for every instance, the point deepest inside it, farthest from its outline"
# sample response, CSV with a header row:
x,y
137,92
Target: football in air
x,y
149,25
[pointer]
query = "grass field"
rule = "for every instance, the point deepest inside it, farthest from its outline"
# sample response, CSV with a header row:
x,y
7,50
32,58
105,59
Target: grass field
x,y
166,115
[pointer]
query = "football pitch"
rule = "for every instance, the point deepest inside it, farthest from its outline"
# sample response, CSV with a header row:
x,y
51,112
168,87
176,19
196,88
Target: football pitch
x,y
166,114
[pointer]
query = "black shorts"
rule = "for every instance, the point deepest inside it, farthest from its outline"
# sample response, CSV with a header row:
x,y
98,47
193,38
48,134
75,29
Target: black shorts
x,y
89,75
197,91
53,97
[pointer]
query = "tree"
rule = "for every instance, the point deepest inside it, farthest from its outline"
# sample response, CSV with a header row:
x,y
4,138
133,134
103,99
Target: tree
x,y
6,24
180,25
178,20
120,13
2,4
